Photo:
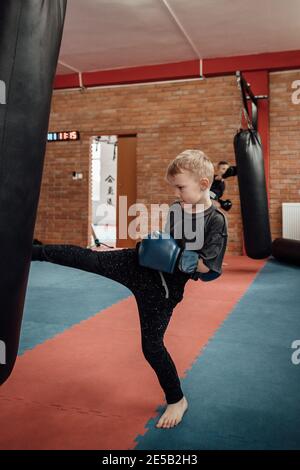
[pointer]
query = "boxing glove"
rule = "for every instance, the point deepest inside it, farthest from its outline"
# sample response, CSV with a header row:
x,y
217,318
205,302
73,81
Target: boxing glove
x,y
188,261
159,250
226,205
164,254
231,171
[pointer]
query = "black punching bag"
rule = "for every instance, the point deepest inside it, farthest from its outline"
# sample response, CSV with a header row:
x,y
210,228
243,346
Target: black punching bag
x,y
252,183
253,194
30,37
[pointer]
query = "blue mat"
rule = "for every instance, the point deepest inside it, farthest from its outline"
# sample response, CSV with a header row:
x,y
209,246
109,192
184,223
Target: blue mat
x,y
244,390
58,297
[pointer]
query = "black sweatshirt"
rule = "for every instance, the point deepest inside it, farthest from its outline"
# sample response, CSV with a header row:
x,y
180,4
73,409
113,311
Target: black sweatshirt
x,y
210,233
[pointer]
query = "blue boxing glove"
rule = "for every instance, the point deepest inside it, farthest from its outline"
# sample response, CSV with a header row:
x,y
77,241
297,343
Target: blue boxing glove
x,y
163,254
158,252
188,263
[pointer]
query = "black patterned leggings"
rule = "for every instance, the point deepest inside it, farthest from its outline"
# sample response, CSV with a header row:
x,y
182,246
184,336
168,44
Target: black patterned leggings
x,y
155,300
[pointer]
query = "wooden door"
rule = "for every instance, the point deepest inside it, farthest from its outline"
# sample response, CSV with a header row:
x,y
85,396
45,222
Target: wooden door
x,y
126,185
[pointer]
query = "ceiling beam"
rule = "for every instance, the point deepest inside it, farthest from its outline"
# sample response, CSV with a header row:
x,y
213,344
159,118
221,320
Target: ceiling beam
x,y
273,61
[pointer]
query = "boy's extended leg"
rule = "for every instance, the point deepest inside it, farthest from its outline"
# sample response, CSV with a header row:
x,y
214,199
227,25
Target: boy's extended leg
x,y
118,265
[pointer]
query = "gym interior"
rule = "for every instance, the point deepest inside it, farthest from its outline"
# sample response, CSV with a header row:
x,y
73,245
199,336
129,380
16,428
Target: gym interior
x,y
97,98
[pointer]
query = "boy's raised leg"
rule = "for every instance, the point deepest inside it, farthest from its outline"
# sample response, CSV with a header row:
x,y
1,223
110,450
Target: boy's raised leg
x,y
118,265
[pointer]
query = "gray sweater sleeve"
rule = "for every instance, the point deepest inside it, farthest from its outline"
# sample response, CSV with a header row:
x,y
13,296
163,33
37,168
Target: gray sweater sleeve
x,y
215,242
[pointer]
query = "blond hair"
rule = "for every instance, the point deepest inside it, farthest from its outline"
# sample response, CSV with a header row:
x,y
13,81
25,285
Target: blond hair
x,y
194,161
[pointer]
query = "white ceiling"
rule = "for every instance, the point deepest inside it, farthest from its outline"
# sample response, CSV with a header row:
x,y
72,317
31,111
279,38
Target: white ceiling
x,y
110,34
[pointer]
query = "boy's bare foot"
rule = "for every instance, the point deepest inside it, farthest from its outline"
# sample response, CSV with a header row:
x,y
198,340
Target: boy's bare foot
x,y
173,414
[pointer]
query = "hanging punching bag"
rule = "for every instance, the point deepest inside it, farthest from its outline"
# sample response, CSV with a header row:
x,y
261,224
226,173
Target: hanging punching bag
x,y
30,37
252,185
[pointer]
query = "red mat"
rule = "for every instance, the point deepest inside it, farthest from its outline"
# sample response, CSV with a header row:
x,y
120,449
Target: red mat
x,y
91,388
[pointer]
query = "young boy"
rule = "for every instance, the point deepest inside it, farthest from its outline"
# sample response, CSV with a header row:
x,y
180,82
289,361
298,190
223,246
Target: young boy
x,y
191,175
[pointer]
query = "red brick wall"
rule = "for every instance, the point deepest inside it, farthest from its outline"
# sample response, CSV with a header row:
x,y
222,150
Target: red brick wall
x,y
284,146
167,119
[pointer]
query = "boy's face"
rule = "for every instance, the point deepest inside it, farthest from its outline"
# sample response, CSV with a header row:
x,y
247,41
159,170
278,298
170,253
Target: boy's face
x,y
187,188
222,169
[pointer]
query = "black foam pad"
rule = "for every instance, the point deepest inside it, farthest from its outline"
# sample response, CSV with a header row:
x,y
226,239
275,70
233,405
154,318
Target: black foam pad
x,y
286,250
